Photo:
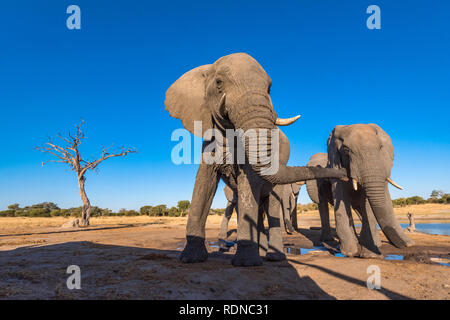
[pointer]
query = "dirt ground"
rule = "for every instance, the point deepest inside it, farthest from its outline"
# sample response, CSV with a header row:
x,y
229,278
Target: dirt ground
x,y
137,258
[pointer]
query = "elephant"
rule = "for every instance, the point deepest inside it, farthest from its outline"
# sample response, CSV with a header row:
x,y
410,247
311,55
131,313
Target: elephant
x,y
289,198
231,205
233,95
367,153
287,195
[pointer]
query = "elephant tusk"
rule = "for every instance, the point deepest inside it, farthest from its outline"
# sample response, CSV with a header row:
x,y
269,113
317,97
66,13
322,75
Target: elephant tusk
x,y
300,183
355,184
394,184
286,122
222,106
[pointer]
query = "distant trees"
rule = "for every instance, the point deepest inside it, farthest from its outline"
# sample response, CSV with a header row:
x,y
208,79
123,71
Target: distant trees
x,y
69,154
437,194
401,202
183,205
161,210
50,209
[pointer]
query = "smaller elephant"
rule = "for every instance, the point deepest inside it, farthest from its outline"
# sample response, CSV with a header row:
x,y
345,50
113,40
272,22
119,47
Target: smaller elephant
x,y
287,195
231,205
366,152
269,207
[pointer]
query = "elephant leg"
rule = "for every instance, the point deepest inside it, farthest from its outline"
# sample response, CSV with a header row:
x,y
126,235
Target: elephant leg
x,y
324,211
262,236
344,228
369,237
285,208
205,187
225,220
275,251
249,190
294,212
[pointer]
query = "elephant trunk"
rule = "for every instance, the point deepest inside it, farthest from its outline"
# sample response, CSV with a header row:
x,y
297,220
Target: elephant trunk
x,y
381,204
262,144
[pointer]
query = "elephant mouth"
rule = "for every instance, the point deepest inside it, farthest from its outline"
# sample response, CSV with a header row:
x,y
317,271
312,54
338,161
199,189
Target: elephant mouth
x,y
355,183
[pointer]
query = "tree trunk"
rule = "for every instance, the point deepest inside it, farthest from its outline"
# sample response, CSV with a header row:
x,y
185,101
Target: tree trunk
x,y
86,209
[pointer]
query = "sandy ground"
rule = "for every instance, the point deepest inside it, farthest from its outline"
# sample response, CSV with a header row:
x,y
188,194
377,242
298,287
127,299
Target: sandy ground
x,y
136,258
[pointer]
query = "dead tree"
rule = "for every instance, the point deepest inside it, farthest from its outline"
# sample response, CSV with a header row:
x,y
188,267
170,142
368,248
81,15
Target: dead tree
x,y
69,153
412,224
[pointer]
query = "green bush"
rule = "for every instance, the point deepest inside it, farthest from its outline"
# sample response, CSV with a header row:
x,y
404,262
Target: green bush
x,y
174,212
158,211
145,210
38,212
7,213
131,213
56,213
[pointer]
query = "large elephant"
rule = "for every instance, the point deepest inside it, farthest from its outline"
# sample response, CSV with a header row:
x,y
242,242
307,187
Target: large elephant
x,y
233,94
366,151
287,194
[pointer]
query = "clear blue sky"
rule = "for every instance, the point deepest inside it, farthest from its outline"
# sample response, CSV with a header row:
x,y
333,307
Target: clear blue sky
x,y
325,64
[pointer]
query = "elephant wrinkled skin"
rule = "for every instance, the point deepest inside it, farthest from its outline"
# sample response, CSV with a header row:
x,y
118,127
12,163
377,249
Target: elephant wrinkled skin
x,y
366,151
234,93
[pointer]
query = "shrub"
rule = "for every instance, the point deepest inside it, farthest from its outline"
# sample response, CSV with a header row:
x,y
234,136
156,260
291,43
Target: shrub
x,y
145,210
14,206
174,212
131,213
7,213
38,212
183,205
56,213
158,211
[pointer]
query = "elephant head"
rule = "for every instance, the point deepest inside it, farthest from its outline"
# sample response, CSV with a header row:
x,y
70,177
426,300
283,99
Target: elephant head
x,y
366,151
234,93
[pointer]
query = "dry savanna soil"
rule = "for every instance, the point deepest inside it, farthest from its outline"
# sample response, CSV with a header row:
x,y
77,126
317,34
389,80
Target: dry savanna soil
x,y
137,258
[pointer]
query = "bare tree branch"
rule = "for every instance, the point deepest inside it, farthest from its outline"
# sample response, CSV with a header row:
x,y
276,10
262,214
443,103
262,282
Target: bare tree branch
x,y
70,154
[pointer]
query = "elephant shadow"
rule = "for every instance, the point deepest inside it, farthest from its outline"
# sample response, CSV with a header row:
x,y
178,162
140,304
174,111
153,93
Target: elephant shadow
x,y
125,272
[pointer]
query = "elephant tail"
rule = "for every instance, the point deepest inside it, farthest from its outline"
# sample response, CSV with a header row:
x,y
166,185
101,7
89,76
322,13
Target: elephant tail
x,y
312,186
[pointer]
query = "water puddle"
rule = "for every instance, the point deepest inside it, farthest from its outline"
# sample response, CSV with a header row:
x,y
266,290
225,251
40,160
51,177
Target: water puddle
x,y
221,245
319,249
225,246
429,228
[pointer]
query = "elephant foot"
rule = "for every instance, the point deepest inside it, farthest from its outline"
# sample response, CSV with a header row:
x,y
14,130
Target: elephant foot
x,y
366,253
194,251
349,250
275,256
247,254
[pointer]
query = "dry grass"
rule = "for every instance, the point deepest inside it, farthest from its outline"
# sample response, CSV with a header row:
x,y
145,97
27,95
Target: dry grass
x,y
429,212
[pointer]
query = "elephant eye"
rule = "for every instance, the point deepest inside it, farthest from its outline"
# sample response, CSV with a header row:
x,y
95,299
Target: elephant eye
x,y
219,82
346,150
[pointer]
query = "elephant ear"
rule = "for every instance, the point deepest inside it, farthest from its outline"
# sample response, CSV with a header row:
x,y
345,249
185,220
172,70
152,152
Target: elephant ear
x,y
333,146
185,99
386,143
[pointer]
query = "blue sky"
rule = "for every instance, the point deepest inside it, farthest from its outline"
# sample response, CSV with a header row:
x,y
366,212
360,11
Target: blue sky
x,y
324,62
